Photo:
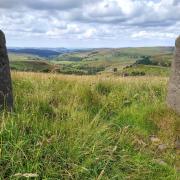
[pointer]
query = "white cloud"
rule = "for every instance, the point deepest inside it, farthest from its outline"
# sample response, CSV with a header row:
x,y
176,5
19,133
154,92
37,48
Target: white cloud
x,y
150,35
89,33
91,19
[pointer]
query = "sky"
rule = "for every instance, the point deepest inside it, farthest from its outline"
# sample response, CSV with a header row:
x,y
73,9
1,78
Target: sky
x,y
90,23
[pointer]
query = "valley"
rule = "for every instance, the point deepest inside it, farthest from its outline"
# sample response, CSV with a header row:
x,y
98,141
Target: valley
x,y
94,61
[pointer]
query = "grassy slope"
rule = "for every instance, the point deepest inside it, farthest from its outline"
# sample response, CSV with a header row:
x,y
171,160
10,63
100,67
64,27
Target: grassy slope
x,y
163,59
23,57
28,62
33,66
149,70
116,58
147,51
71,127
115,54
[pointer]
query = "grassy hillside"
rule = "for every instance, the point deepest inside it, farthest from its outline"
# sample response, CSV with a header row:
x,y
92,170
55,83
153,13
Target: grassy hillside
x,y
145,70
23,57
33,66
162,59
108,59
89,127
28,62
114,54
46,53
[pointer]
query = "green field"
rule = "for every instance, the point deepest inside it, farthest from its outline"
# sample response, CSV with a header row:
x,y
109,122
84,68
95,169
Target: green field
x,y
23,57
28,62
89,127
148,70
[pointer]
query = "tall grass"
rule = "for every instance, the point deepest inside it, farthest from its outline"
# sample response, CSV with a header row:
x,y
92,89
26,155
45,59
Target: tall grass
x,y
88,127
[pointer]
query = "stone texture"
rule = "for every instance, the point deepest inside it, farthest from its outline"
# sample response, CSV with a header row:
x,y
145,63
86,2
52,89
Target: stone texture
x,y
173,98
6,97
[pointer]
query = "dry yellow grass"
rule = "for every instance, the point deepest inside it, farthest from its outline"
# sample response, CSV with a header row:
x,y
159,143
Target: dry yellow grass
x,y
91,78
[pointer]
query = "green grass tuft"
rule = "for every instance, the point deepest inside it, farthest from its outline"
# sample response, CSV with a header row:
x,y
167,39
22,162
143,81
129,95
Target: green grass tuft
x,y
71,127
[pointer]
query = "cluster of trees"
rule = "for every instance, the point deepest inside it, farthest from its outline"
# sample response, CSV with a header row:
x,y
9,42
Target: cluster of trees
x,y
144,60
147,60
134,73
81,70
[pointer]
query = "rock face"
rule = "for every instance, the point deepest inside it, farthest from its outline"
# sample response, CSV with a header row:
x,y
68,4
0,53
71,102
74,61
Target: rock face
x,y
6,97
173,98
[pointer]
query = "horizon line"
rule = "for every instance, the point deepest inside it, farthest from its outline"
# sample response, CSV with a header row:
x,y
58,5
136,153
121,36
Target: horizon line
x,y
38,47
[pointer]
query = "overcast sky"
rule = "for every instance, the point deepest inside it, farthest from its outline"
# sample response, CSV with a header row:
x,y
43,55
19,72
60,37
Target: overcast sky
x,y
90,23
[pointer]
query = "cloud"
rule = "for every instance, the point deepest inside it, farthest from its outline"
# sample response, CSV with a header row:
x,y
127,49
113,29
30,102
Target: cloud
x,y
100,20
149,35
43,4
89,33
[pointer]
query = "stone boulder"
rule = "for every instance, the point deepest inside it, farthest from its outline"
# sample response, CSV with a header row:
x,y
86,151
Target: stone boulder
x,y
173,97
6,97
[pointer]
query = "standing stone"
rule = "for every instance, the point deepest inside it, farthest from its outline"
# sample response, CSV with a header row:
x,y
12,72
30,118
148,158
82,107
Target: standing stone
x,y
173,98
6,97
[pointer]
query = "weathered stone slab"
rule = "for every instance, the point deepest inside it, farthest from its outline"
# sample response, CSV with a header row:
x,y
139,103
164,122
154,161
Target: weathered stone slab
x,y
6,97
173,98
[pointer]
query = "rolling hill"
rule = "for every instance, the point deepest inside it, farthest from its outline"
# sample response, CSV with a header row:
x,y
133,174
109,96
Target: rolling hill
x,y
88,61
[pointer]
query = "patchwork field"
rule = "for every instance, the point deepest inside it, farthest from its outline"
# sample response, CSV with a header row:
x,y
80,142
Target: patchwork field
x,y
89,127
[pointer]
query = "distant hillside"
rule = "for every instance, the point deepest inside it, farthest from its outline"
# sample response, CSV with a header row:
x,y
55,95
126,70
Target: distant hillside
x,y
42,52
110,54
23,57
91,61
32,66
38,52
